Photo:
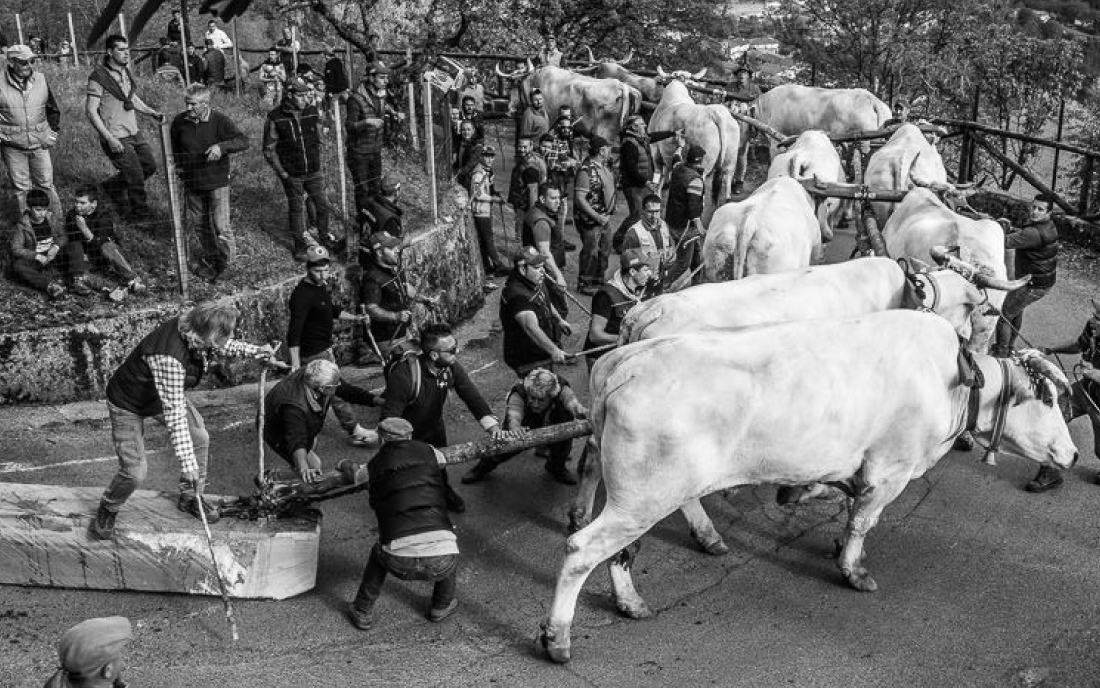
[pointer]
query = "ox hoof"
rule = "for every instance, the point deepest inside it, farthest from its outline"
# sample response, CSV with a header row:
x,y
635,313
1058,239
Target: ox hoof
x,y
862,581
555,651
634,610
716,548
964,442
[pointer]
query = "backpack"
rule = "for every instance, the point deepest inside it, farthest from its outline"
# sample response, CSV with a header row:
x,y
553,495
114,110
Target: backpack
x,y
405,351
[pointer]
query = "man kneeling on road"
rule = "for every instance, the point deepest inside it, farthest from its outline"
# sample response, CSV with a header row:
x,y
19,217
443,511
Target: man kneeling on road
x,y
540,399
150,383
416,540
295,411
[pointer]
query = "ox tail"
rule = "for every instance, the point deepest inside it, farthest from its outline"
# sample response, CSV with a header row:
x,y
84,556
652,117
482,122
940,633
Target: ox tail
x,y
738,261
882,111
718,180
626,107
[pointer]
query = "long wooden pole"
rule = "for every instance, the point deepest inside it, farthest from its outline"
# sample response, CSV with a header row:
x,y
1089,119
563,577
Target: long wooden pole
x,y
19,28
237,82
122,26
1023,172
1058,137
293,49
185,35
72,41
414,135
338,123
981,128
179,241
1086,187
429,142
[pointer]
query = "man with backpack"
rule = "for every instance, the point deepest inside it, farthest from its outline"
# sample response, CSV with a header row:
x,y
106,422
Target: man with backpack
x,y
418,384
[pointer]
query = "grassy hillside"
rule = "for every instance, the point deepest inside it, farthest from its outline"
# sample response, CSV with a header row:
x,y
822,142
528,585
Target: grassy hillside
x,y
258,206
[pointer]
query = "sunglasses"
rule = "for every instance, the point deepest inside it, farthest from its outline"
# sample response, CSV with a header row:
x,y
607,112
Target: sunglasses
x,y
23,63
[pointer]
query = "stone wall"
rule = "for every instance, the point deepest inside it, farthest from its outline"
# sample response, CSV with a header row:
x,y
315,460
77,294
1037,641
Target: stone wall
x,y
73,363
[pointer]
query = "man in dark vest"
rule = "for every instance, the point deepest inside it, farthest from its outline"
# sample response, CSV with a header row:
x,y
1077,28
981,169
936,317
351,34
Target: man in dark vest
x,y
335,75
150,383
628,287
636,169
368,107
532,327
381,213
416,541
542,230
538,400
684,210
528,173
593,206
384,294
295,410
292,146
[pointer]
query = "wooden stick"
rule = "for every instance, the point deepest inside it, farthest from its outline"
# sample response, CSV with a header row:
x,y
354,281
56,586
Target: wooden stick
x,y
237,59
19,28
769,130
217,569
429,142
574,299
976,128
1023,172
72,40
170,178
339,124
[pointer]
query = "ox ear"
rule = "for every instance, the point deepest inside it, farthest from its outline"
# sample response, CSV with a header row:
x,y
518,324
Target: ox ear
x,y
591,57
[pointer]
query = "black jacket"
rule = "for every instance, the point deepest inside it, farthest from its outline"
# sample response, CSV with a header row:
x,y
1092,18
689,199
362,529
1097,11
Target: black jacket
x,y
1036,253
291,423
292,143
131,387
407,491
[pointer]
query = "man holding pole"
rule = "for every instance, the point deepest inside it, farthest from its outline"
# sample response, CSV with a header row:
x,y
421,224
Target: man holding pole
x,y
202,140
532,327
111,105
30,122
626,289
150,383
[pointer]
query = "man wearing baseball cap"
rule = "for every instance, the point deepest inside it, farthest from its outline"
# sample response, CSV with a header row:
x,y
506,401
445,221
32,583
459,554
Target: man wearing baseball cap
x,y
532,327
30,122
381,213
368,106
385,293
309,333
90,654
632,284
292,146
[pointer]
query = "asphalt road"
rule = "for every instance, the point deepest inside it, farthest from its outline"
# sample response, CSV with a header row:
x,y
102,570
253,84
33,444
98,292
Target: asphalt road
x,y
981,584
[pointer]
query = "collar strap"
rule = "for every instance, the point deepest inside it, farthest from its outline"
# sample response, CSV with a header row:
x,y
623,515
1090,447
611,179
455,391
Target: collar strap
x,y
1000,414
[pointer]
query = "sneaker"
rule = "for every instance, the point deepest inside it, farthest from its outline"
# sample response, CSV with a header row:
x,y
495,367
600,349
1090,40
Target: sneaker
x,y
361,619
569,246
102,527
1048,478
55,290
190,504
489,286
136,286
361,437
118,294
560,474
81,288
437,615
738,187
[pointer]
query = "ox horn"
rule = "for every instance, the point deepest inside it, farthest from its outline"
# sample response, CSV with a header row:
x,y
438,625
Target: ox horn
x,y
500,73
700,74
628,58
530,66
1035,361
591,57
661,72
987,281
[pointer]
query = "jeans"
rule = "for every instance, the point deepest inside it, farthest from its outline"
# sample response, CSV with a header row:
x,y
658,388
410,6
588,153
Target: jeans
x,y
32,273
297,190
490,259
595,250
634,196
440,570
30,169
340,408
209,210
1013,312
128,434
135,163
366,175
689,255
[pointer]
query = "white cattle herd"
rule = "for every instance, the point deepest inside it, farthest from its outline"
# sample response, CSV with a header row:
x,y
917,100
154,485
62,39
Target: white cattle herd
x,y
805,355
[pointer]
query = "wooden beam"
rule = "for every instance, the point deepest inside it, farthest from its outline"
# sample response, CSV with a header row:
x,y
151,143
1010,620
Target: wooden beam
x,y
976,128
44,543
856,192
1023,172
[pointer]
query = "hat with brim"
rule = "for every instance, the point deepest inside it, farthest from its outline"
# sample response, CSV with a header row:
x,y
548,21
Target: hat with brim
x,y
742,68
90,645
695,153
380,240
530,256
632,258
297,85
395,427
389,184
19,52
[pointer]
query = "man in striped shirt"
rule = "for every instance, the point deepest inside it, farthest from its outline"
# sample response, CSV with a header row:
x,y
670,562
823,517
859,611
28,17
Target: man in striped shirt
x,y
150,383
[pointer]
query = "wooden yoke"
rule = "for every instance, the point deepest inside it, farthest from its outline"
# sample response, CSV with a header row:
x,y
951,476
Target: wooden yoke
x,y
869,235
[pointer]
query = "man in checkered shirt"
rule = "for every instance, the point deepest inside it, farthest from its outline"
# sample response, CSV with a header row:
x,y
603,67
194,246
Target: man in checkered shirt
x,y
150,383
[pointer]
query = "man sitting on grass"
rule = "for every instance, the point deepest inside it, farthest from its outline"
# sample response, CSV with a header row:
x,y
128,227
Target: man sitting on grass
x,y
90,231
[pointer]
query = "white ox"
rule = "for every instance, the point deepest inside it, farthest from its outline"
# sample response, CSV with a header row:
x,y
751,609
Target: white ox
x,y
608,68
880,409
709,126
793,109
922,221
774,230
602,104
905,160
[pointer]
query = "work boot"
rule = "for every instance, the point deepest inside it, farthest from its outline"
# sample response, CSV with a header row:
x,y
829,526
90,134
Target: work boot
x,y
964,442
80,287
560,473
738,187
361,618
437,615
455,503
55,290
136,286
1048,478
102,527
477,473
190,504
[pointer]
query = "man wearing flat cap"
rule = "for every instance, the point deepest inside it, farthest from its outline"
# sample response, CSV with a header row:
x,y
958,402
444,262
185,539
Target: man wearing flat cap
x,y
416,540
292,146
29,125
365,122
90,654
